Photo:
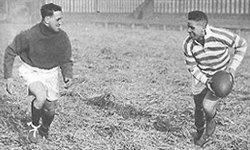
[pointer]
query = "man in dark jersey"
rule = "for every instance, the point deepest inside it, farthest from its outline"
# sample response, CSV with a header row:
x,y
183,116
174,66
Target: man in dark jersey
x,y
43,49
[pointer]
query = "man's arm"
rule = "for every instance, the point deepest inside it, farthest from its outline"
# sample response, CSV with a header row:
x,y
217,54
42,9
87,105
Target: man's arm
x,y
240,47
66,62
19,44
192,64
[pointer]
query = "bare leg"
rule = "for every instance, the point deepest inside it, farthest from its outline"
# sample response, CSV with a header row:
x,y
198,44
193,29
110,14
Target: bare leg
x,y
39,91
210,104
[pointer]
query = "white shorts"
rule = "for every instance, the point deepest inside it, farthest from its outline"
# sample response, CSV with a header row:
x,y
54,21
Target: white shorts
x,y
197,86
49,78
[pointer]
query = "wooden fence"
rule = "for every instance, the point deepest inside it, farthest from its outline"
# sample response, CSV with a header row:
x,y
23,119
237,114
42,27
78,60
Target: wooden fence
x,y
208,6
241,7
104,6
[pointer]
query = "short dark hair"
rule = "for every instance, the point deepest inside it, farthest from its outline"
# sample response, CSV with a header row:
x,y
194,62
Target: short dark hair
x,y
197,16
48,9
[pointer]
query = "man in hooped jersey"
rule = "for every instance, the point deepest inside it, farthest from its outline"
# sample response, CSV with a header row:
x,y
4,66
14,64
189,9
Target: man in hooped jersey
x,y
206,51
43,49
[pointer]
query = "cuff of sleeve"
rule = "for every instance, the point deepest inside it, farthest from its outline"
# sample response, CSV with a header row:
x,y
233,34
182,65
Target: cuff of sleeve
x,y
69,75
234,65
204,79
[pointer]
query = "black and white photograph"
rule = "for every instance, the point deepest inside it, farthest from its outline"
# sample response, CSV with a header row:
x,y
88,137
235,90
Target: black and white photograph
x,y
124,75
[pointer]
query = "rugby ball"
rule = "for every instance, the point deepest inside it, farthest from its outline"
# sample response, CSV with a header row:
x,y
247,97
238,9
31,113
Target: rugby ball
x,y
221,83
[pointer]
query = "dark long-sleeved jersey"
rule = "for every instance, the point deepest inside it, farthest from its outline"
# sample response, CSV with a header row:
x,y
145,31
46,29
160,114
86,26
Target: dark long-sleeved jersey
x,y
40,47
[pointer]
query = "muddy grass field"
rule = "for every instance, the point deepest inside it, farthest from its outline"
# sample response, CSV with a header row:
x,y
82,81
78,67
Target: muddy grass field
x,y
126,83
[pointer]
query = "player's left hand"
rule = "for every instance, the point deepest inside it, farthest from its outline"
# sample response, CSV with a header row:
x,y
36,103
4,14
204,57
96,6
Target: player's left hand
x,y
68,82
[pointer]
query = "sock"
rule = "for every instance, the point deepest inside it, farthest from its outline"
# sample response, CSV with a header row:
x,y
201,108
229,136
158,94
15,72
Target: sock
x,y
199,114
35,114
48,114
47,119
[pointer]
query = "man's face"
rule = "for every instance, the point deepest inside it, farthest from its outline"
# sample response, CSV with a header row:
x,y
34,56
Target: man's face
x,y
195,29
55,21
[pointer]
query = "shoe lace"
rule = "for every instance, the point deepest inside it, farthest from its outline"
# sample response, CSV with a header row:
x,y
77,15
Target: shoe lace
x,y
35,128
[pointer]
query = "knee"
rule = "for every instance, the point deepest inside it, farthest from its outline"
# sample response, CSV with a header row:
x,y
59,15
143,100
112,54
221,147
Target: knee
x,y
209,108
210,103
40,92
39,101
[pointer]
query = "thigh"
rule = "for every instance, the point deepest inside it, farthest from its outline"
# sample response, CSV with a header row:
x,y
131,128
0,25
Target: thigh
x,y
38,89
50,80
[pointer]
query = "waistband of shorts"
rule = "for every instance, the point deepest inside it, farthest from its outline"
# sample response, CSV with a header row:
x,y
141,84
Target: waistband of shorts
x,y
40,69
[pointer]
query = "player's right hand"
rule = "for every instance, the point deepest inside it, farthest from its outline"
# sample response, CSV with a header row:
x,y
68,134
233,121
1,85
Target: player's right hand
x,y
10,85
232,73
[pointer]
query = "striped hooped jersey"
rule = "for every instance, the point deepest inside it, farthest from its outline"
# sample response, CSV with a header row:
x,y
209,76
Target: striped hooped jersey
x,y
203,61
